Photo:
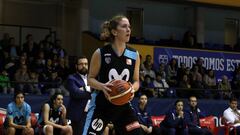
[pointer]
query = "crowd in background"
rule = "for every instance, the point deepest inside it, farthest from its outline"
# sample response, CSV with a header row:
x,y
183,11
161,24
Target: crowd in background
x,y
30,63
42,68
170,80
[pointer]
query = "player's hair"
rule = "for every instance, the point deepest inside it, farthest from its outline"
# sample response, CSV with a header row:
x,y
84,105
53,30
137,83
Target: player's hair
x,y
53,97
17,93
108,26
179,100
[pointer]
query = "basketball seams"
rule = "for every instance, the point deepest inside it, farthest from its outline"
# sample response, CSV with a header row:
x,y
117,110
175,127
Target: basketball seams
x,y
120,95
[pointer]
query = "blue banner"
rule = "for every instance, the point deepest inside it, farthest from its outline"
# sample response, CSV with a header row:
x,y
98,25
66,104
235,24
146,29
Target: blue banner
x,y
223,63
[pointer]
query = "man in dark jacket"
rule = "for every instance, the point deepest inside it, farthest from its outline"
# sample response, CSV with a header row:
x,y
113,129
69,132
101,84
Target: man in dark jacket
x,y
79,95
193,116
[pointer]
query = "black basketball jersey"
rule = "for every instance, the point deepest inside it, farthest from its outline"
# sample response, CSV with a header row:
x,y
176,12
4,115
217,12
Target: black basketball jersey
x,y
115,67
54,115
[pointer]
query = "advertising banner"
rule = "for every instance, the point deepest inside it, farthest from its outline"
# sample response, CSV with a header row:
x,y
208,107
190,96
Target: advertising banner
x,y
223,63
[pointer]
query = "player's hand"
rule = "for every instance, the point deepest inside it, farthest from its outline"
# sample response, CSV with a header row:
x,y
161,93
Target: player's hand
x,y
181,114
132,92
106,90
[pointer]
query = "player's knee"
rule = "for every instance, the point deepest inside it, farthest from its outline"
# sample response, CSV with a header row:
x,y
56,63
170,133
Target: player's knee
x,y
11,131
136,131
69,128
28,131
48,129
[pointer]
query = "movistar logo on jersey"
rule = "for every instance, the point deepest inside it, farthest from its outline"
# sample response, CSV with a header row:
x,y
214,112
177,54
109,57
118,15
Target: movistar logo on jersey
x,y
113,75
18,119
54,120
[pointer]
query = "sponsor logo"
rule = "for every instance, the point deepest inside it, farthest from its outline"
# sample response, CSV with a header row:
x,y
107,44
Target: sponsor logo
x,y
107,54
91,133
113,75
163,59
107,60
128,61
97,124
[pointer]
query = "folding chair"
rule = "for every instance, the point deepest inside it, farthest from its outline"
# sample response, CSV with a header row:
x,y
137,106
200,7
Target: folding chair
x,y
226,126
156,120
210,122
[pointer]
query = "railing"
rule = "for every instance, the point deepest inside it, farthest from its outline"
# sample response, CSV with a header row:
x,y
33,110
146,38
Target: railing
x,y
172,92
20,31
176,92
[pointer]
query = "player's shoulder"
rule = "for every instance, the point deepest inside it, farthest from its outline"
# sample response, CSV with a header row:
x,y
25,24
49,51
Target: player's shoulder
x,y
106,47
130,48
131,53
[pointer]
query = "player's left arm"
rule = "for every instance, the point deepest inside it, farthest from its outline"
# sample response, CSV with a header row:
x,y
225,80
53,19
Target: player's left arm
x,y
136,74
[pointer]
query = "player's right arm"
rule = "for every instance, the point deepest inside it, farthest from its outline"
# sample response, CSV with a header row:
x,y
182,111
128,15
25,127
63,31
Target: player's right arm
x,y
94,69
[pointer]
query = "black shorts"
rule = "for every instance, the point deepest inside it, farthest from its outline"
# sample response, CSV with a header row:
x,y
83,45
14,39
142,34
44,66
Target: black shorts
x,y
99,117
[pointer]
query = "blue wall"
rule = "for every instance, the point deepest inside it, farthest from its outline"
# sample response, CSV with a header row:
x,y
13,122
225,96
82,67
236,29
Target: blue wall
x,y
163,19
158,106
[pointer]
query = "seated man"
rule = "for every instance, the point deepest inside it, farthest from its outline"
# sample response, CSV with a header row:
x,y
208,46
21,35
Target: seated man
x,y
52,117
232,115
175,121
193,115
143,115
18,120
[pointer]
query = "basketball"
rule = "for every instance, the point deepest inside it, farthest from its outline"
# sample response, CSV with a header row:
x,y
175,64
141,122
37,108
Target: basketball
x,y
121,92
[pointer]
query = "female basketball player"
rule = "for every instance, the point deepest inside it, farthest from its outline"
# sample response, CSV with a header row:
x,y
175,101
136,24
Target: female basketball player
x,y
18,116
114,61
53,117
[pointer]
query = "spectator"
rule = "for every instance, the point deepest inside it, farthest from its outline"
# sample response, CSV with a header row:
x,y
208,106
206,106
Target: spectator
x,y
232,115
209,80
52,117
197,83
175,121
79,95
181,71
22,76
62,68
144,115
225,87
148,62
18,121
184,86
161,70
33,85
61,53
147,86
199,63
13,49
193,115
55,85
172,72
160,84
30,47
5,85
148,70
